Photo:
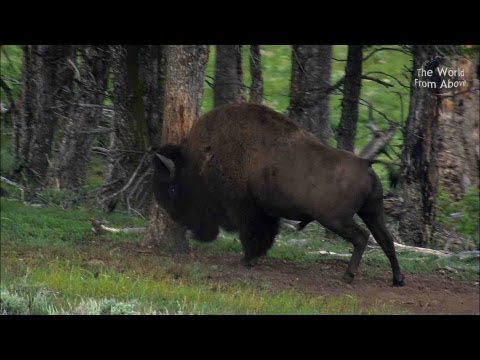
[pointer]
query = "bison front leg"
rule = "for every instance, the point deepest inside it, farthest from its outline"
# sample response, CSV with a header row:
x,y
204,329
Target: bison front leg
x,y
257,234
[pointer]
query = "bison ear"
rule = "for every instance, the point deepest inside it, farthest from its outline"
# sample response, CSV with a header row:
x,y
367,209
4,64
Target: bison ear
x,y
165,167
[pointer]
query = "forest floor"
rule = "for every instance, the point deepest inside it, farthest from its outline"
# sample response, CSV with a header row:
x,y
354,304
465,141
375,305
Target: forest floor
x,y
52,260
423,293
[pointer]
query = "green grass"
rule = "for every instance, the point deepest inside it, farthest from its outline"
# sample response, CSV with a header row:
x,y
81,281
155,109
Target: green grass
x,y
54,225
52,263
10,70
7,161
466,210
69,283
171,296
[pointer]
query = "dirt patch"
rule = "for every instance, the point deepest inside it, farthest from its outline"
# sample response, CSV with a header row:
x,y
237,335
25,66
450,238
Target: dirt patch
x,y
423,293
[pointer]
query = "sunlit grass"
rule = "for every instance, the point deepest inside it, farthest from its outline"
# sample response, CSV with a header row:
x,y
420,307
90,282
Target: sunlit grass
x,y
69,284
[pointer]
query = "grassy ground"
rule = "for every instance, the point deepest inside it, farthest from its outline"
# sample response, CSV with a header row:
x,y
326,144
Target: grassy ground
x,y
53,263
51,257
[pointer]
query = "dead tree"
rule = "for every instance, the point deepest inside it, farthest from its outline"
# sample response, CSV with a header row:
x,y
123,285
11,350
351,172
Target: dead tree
x,y
419,167
48,77
351,95
256,89
152,74
458,142
83,118
128,176
309,88
186,65
228,85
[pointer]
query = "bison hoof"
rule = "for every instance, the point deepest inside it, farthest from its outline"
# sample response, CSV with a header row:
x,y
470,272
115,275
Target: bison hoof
x,y
399,282
249,263
348,277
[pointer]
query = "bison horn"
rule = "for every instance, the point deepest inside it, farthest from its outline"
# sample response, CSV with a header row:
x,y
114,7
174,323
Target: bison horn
x,y
169,164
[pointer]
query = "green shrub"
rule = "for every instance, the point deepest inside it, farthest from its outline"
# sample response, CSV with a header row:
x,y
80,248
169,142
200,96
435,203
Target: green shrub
x,y
105,307
40,304
11,65
112,307
12,304
460,216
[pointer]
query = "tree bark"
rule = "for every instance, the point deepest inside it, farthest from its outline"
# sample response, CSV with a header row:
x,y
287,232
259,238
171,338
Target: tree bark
x,y
419,171
83,118
256,89
50,73
309,98
18,121
29,108
351,95
186,65
130,137
228,85
152,75
458,143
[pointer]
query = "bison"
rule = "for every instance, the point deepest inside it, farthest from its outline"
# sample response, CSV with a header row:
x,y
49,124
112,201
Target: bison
x,y
242,167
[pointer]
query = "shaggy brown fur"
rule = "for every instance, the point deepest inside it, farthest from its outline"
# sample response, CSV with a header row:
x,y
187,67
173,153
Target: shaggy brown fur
x,y
245,166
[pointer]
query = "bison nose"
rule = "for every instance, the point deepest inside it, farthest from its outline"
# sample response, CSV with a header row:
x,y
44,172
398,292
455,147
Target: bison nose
x,y
189,234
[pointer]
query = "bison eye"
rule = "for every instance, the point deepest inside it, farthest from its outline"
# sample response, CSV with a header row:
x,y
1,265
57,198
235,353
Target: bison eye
x,y
172,192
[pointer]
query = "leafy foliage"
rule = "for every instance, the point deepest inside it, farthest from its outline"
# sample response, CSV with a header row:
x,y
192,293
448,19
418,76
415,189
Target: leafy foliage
x,y
461,216
12,304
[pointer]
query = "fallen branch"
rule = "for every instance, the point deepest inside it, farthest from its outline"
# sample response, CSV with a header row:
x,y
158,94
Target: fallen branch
x,y
98,227
10,182
18,186
127,185
397,245
422,250
381,82
8,92
379,142
402,50
323,252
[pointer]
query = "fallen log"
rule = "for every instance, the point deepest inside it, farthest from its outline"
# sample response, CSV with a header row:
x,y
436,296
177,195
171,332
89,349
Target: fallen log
x,y
323,252
98,227
379,143
422,250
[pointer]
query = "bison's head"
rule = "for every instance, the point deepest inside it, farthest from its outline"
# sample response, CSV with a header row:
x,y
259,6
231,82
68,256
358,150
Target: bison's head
x,y
179,190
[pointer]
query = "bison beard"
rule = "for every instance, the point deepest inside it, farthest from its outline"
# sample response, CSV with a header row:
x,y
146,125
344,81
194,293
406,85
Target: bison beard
x,y
244,166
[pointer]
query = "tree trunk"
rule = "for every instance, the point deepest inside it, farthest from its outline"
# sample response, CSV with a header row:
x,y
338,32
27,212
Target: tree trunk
x,y
51,73
21,122
128,168
186,65
29,108
458,144
351,95
228,86
419,172
183,90
152,75
84,118
309,98
256,89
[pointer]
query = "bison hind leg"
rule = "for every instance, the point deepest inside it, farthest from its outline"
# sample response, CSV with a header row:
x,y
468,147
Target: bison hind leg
x,y
355,234
257,234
